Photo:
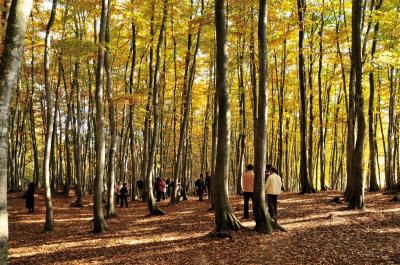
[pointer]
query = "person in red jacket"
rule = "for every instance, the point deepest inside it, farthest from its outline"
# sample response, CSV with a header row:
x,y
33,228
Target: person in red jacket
x,y
160,185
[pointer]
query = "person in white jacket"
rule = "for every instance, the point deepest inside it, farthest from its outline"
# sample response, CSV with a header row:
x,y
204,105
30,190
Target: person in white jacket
x,y
272,190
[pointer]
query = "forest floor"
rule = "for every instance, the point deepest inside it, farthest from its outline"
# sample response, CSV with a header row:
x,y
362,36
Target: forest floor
x,y
318,233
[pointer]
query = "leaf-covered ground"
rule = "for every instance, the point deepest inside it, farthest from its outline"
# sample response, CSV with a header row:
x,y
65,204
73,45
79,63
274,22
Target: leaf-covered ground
x,y
319,233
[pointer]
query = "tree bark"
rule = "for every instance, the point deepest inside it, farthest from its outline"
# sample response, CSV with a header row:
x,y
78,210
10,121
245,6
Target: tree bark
x,y
48,227
111,115
304,178
225,220
356,196
9,69
373,183
99,224
261,215
321,109
151,204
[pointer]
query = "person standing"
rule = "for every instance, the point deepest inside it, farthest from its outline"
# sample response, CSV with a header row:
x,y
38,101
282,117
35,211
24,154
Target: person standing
x,y
248,186
140,186
273,189
200,186
29,197
159,187
118,192
124,196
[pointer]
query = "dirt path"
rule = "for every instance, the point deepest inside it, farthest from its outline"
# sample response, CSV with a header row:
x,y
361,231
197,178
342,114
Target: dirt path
x,y
319,233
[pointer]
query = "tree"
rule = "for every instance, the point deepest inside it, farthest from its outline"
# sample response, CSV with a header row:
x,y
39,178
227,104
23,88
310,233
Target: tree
x,y
48,227
151,204
356,195
99,224
9,69
261,215
304,179
111,115
225,220
373,182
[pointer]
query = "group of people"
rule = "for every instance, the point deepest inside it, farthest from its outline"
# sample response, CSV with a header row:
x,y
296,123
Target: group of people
x,y
272,187
121,193
203,186
163,189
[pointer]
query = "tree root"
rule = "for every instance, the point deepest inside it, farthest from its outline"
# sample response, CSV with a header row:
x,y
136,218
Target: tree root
x,y
111,215
276,226
396,197
76,204
336,200
221,234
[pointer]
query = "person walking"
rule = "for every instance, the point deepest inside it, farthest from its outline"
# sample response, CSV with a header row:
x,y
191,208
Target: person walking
x,y
200,187
159,187
29,197
248,186
117,192
124,196
273,189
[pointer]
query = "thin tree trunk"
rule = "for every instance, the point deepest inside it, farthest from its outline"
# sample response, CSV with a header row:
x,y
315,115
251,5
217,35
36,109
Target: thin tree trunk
x,y
48,227
373,183
320,104
151,204
111,113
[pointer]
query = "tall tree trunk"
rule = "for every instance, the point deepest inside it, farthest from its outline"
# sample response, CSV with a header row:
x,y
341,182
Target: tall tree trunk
x,y
320,104
131,113
187,98
48,227
99,224
151,204
36,166
9,69
304,178
389,176
225,220
356,197
261,215
77,138
111,114
373,183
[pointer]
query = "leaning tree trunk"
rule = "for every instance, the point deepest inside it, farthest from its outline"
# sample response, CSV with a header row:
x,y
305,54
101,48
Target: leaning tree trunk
x,y
99,224
48,226
225,220
261,215
9,69
356,196
151,204
305,181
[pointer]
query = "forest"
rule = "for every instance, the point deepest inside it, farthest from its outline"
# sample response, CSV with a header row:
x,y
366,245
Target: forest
x,y
94,94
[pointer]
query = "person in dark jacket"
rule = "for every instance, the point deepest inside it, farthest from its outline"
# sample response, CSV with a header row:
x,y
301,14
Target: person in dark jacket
x,y
200,187
124,195
30,198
